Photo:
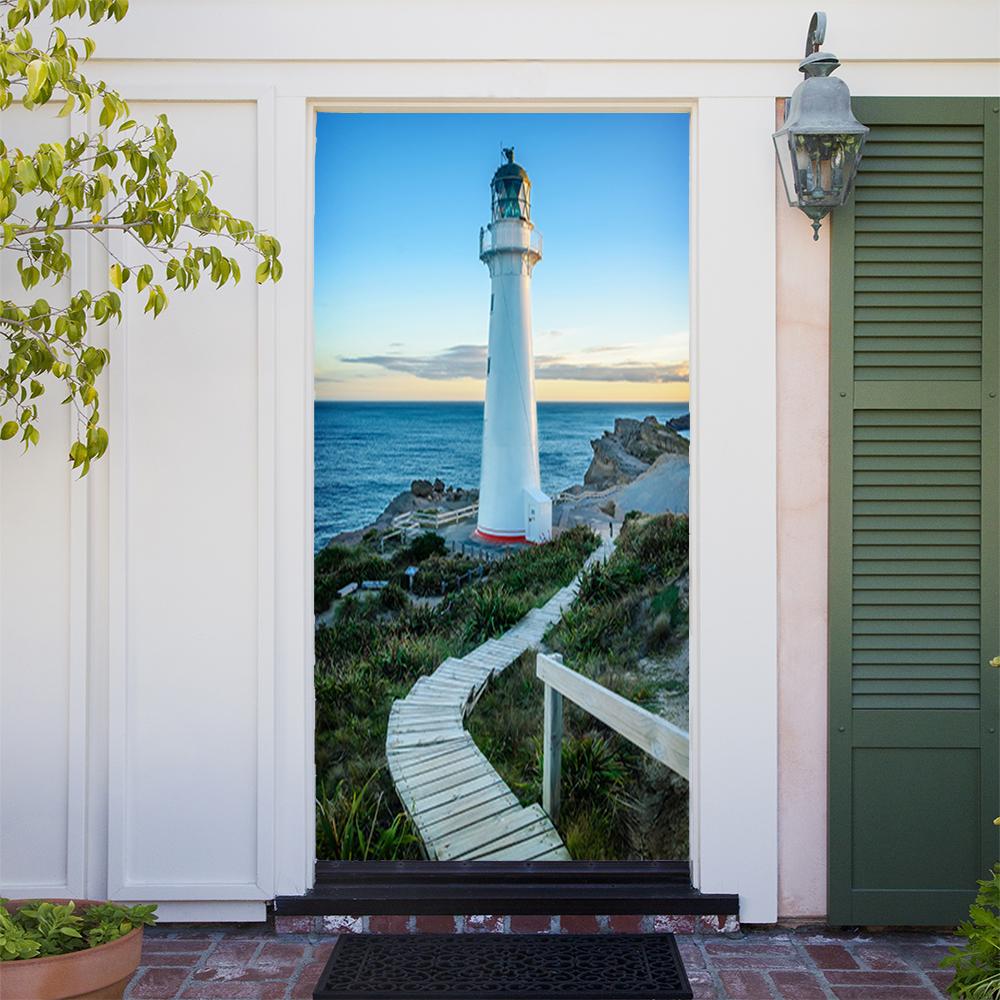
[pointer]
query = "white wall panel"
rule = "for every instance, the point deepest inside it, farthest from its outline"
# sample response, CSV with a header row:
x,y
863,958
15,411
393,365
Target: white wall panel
x,y
39,776
192,741
550,30
43,594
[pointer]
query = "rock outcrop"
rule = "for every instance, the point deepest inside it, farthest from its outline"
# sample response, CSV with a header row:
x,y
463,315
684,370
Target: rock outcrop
x,y
624,454
422,495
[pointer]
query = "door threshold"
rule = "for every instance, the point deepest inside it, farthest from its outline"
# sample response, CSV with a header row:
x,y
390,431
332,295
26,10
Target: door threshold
x,y
443,888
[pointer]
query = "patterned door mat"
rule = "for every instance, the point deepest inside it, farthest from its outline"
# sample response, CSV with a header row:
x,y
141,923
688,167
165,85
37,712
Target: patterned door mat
x,y
504,967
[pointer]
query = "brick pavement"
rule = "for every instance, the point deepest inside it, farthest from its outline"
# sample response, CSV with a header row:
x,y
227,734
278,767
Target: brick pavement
x,y
255,962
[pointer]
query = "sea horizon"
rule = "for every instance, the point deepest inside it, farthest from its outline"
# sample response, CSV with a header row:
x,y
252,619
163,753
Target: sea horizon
x,y
369,451
479,402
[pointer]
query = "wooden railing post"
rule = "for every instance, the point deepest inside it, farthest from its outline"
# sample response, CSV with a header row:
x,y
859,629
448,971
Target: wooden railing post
x,y
653,734
552,752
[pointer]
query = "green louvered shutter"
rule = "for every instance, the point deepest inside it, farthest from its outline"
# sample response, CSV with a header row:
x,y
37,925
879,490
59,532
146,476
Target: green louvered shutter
x,y
914,513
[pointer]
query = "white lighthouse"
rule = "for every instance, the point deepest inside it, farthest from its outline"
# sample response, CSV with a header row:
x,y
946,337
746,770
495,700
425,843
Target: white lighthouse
x,y
512,507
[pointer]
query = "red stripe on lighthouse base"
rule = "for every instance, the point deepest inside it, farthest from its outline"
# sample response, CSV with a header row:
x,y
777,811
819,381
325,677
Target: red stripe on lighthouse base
x,y
494,539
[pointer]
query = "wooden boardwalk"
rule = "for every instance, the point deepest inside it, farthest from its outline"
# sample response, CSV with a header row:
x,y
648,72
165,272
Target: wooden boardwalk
x,y
460,805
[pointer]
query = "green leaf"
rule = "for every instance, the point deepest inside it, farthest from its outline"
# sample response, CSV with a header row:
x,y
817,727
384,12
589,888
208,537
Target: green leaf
x,y
263,270
26,174
37,73
116,275
8,430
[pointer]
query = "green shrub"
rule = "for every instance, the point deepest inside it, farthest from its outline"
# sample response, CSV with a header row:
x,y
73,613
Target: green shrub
x,y
338,565
324,593
668,602
610,581
630,606
659,543
419,620
422,547
669,616
491,611
39,929
438,569
349,687
542,569
350,636
392,598
592,771
507,727
330,559
977,962
406,657
356,824
595,778
590,631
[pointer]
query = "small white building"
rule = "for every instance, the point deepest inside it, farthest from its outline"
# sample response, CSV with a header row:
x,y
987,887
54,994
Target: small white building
x,y
537,516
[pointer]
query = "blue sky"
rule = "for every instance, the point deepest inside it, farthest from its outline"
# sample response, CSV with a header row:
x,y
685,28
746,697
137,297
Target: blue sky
x,y
402,300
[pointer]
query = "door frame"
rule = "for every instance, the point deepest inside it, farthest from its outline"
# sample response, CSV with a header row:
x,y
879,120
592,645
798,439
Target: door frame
x,y
734,702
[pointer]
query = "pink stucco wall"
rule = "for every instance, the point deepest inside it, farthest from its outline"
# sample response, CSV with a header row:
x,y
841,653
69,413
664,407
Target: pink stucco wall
x,y
803,341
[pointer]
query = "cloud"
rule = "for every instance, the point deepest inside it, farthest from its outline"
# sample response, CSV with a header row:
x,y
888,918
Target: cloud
x,y
469,361
623,371
460,361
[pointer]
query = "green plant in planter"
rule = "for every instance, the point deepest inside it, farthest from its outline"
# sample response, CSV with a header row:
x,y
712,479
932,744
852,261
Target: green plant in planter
x,y
977,962
40,929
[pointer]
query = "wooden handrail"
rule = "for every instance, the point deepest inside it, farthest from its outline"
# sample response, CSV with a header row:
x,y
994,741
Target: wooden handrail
x,y
652,734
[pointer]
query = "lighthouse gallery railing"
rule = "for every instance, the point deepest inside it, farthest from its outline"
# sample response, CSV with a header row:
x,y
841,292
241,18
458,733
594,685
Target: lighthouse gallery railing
x,y
490,241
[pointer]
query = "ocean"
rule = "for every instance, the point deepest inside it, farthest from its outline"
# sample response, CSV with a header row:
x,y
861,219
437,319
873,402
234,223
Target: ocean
x,y
366,453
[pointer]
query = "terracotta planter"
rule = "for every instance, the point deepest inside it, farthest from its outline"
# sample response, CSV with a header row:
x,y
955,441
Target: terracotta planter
x,y
100,973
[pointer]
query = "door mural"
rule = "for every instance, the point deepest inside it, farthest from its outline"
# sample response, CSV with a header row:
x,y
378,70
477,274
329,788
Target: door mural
x,y
501,458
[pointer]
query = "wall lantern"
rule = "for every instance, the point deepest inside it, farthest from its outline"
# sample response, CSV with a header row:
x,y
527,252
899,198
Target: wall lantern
x,y
819,146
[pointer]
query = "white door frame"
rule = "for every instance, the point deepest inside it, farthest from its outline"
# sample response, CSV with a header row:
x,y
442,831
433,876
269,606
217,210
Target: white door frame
x,y
733,664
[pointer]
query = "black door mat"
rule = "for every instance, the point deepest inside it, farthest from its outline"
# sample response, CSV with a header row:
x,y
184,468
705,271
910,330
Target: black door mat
x,y
504,967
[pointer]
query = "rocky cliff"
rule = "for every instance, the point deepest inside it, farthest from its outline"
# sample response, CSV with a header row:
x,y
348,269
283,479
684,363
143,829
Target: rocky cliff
x,y
628,451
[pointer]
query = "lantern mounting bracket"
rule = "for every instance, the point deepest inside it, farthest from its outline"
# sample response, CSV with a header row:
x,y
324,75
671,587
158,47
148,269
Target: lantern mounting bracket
x,y
817,32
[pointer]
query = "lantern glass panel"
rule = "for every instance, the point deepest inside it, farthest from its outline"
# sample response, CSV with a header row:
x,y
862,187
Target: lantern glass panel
x,y
783,148
825,166
820,167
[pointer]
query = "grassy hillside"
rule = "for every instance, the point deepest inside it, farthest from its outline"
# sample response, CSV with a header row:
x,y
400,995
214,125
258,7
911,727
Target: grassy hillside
x,y
627,630
376,648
